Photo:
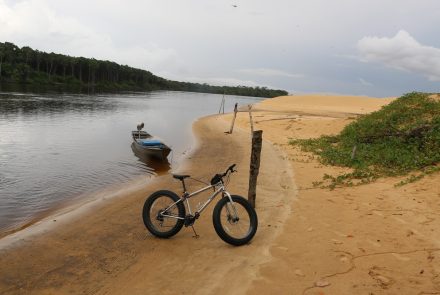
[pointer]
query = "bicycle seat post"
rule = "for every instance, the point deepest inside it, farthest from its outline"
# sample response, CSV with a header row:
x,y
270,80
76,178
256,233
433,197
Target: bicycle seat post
x,y
184,187
182,179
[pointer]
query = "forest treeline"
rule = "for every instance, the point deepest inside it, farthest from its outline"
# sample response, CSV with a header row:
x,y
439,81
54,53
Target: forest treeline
x,y
28,67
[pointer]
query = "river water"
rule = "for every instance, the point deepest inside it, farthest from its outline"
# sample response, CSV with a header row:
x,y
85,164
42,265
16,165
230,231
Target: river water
x,y
57,147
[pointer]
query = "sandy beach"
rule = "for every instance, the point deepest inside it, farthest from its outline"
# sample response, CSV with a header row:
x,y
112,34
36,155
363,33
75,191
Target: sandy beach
x,y
370,239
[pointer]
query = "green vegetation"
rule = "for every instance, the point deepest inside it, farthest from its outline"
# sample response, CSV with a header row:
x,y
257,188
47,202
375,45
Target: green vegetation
x,y
401,138
27,67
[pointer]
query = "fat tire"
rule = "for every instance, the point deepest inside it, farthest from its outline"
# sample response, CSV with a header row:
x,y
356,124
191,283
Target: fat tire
x,y
147,218
216,220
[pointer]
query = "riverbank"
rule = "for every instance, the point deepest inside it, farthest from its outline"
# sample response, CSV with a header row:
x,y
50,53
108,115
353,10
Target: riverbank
x,y
108,250
83,145
371,239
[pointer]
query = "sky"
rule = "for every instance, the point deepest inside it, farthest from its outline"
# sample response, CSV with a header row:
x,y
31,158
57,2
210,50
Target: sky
x,y
376,48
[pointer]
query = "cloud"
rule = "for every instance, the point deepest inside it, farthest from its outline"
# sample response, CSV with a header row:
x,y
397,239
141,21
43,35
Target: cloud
x,y
257,42
402,52
36,24
269,73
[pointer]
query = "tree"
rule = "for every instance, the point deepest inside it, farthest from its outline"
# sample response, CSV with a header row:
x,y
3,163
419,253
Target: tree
x,y
19,65
1,58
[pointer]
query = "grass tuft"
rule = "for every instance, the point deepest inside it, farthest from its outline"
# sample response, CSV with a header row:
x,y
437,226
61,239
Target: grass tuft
x,y
402,137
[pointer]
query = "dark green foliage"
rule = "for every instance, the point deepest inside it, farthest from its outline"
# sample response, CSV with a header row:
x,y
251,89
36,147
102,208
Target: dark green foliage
x,y
25,66
403,136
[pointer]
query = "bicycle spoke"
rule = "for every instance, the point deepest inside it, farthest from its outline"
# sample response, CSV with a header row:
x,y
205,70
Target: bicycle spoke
x,y
163,205
236,228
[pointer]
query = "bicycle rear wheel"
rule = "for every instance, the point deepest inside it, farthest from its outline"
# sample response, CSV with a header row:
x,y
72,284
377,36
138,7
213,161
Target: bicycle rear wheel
x,y
236,223
161,215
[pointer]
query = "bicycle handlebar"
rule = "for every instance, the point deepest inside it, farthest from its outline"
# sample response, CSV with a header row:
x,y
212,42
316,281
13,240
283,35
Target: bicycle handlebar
x,y
219,177
231,168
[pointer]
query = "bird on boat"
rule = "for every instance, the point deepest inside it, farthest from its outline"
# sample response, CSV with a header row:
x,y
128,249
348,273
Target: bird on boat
x,y
140,126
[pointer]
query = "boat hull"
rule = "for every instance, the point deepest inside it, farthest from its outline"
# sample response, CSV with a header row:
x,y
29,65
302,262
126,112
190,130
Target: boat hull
x,y
160,153
157,150
158,165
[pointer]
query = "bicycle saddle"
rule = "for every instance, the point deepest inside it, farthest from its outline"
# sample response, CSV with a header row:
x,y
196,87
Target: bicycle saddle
x,y
180,177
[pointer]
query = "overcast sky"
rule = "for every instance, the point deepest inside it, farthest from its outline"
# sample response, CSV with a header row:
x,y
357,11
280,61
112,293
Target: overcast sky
x,y
377,48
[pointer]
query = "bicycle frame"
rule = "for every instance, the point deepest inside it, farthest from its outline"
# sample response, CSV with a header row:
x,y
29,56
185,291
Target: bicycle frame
x,y
187,196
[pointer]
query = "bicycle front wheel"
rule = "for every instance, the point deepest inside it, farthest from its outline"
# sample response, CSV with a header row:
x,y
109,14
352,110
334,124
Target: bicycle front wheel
x,y
162,214
235,222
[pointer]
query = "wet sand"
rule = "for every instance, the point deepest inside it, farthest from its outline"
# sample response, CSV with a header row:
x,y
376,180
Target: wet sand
x,y
371,239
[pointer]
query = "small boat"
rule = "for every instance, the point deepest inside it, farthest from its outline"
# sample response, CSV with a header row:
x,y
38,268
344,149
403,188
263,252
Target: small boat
x,y
150,163
149,146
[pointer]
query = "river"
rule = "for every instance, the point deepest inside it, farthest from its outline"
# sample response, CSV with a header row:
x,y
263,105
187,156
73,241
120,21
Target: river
x,y
55,148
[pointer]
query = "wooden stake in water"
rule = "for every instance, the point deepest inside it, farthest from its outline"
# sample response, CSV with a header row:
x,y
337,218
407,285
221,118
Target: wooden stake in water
x,y
222,105
254,169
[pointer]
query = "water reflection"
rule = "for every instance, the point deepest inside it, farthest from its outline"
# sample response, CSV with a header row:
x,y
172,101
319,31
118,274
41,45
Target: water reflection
x,y
151,164
53,104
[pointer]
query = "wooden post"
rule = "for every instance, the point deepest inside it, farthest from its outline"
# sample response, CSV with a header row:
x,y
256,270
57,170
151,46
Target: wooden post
x,y
233,119
250,118
257,140
222,105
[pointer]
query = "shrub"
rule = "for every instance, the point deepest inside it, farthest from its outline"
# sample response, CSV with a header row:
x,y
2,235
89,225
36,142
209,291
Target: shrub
x,y
402,137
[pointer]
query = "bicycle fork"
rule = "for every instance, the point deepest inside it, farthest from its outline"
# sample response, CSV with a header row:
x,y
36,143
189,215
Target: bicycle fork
x,y
232,214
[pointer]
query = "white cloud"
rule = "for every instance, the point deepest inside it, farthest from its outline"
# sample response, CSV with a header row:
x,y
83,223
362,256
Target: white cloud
x,y
34,23
402,52
269,73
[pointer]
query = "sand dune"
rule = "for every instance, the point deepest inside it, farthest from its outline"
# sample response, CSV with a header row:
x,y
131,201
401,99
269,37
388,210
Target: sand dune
x,y
326,105
371,239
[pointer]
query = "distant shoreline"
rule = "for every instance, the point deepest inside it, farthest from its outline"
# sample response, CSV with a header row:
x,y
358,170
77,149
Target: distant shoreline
x,y
69,89
26,66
